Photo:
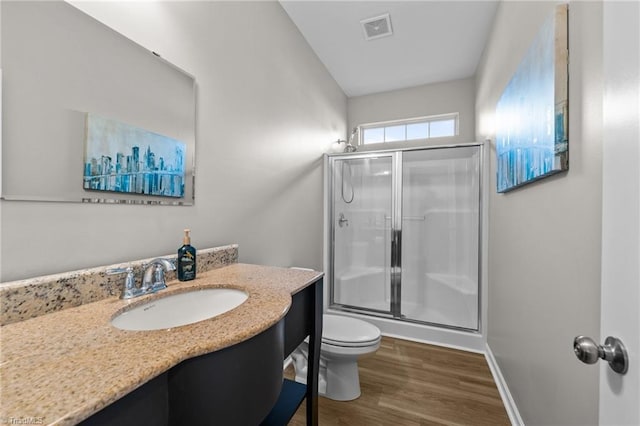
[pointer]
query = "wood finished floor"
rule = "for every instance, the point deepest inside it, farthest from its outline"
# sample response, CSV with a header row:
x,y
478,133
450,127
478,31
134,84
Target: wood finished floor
x,y
408,383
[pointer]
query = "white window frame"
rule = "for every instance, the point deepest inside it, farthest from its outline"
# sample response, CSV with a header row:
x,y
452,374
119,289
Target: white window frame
x,y
404,122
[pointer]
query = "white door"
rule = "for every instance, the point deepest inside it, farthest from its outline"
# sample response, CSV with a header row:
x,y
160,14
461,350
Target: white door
x,y
620,314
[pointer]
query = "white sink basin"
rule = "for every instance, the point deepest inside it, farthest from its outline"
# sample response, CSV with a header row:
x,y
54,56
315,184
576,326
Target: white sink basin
x,y
180,309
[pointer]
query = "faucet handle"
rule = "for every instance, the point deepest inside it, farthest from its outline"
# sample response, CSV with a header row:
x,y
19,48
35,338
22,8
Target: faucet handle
x,y
130,290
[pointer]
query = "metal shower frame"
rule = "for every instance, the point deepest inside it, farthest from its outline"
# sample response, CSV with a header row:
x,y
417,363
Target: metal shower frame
x,y
396,234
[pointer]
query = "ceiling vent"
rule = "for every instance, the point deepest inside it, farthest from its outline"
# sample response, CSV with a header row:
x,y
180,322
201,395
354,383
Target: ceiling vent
x,y
377,27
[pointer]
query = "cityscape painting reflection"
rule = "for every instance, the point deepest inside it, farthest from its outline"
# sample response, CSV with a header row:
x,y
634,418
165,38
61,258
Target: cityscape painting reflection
x,y
123,158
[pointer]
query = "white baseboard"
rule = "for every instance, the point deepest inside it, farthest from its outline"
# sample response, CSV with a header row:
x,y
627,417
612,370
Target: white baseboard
x,y
507,399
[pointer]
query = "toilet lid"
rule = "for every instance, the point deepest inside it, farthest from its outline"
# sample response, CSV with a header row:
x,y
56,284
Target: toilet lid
x,y
346,331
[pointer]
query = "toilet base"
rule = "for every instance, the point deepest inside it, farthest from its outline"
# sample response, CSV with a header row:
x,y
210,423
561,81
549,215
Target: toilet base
x,y
343,380
338,378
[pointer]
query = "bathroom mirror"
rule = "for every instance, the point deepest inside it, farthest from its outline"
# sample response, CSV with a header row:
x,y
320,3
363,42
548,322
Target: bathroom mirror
x,y
60,67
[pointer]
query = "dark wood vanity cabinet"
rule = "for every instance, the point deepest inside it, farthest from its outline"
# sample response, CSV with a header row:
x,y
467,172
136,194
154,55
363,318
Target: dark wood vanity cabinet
x,y
303,319
239,385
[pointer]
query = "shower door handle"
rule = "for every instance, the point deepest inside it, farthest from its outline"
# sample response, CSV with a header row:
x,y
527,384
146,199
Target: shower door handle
x,y
396,271
395,252
397,243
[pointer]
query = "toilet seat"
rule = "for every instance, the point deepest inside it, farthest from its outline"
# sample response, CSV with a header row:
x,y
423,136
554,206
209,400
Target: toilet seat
x,y
348,332
349,344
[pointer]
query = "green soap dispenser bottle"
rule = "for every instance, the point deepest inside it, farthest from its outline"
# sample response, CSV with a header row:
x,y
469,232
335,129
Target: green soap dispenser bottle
x,y
186,259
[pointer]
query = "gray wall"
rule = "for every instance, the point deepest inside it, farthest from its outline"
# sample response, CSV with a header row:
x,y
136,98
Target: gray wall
x,y
429,99
545,238
267,110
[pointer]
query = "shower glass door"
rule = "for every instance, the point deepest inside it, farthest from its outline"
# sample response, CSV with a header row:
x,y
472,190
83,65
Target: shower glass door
x,y
405,233
440,236
361,231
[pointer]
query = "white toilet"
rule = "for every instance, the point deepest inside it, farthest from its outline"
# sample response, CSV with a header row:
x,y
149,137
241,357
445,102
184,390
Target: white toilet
x,y
344,340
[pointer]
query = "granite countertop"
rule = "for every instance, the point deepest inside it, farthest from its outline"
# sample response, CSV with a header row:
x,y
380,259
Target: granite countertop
x,y
62,367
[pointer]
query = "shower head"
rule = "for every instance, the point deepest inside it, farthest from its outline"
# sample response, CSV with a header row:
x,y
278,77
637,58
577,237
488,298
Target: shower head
x,y
353,134
350,147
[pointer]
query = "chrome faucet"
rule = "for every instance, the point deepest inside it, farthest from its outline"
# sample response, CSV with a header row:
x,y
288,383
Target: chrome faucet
x,y
152,279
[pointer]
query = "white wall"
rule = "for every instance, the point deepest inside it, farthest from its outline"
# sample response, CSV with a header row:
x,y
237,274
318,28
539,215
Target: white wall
x,y
267,110
429,99
544,239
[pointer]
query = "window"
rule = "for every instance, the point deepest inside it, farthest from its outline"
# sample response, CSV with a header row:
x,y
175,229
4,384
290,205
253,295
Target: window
x,y
436,126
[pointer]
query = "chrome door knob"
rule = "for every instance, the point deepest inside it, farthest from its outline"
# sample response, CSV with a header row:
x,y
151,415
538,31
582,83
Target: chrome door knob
x,y
586,349
613,351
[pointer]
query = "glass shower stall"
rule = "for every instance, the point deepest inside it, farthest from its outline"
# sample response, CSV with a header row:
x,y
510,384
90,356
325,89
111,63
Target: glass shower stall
x,y
405,235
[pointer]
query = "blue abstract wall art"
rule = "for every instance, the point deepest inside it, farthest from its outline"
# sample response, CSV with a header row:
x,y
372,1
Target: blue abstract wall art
x,y
532,113
123,158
